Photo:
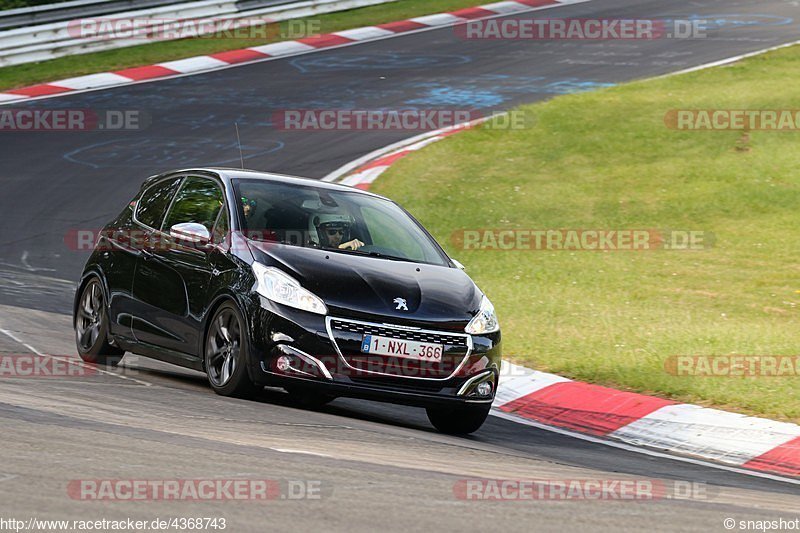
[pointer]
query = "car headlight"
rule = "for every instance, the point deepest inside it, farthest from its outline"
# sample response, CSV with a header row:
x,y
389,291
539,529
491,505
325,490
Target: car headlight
x,y
281,288
485,321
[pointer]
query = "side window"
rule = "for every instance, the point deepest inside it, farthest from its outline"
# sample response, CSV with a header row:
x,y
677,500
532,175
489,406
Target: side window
x,y
154,202
199,200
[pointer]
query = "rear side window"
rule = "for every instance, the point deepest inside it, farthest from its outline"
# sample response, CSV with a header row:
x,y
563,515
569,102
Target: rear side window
x,y
153,204
199,200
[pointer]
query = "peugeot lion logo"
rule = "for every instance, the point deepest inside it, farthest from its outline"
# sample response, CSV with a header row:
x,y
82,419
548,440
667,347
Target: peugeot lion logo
x,y
401,304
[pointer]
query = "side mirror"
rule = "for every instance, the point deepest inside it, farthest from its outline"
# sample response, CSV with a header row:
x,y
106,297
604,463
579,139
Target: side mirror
x,y
458,264
190,232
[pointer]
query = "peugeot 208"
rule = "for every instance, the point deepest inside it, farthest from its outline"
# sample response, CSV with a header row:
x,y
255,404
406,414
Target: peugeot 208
x,y
267,280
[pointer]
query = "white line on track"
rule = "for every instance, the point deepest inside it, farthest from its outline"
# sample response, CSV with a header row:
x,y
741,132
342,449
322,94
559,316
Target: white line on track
x,y
24,261
563,3
356,163
70,360
289,450
728,60
644,451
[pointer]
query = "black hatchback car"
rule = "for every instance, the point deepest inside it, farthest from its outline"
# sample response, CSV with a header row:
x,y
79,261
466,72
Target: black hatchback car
x,y
268,280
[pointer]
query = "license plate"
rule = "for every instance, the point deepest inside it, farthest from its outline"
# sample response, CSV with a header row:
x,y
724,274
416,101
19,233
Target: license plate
x,y
423,351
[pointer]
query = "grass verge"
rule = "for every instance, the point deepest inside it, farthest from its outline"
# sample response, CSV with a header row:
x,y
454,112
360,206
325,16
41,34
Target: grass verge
x,y
15,4
606,160
147,54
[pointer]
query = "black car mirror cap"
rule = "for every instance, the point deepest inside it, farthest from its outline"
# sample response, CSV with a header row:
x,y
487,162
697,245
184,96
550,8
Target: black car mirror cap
x,y
190,232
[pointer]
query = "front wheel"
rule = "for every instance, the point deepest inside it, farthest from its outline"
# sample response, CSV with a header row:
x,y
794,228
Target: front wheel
x,y
458,420
91,327
226,354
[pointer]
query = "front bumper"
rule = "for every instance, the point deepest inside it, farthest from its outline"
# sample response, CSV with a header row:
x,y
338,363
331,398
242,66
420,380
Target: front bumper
x,y
317,361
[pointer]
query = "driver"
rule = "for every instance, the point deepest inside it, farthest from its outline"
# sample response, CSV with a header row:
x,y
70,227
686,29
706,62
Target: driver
x,y
333,230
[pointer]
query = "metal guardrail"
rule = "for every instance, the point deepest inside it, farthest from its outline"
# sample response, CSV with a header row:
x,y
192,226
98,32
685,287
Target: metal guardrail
x,y
247,5
41,42
65,11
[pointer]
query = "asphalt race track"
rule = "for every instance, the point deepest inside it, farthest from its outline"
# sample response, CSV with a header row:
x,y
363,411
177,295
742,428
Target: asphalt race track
x,y
378,465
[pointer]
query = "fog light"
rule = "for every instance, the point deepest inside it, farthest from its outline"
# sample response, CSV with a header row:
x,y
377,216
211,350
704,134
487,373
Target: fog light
x,y
284,363
484,389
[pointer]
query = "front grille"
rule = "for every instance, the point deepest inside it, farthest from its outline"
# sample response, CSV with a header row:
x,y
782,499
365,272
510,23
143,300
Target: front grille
x,y
347,335
398,333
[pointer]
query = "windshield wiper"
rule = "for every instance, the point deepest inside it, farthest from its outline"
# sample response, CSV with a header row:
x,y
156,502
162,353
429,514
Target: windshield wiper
x,y
373,254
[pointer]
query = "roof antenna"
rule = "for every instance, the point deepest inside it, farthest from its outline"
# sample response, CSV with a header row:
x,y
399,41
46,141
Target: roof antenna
x,y
239,141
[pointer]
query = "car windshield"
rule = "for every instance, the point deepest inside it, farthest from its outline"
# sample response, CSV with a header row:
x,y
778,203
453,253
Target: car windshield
x,y
340,221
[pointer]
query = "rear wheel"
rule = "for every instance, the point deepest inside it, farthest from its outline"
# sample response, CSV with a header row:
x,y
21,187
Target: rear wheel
x,y
91,327
458,420
226,354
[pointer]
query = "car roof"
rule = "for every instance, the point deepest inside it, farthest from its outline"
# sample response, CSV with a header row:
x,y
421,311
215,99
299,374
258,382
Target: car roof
x,y
228,174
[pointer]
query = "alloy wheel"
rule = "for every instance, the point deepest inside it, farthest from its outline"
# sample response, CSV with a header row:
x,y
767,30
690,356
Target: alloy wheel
x,y
90,316
224,346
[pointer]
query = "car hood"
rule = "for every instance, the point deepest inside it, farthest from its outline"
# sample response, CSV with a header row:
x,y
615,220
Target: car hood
x,y
369,287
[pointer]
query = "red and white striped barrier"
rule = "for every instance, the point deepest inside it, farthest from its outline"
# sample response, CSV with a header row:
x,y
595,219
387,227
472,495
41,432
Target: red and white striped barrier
x,y
221,60
362,172
728,438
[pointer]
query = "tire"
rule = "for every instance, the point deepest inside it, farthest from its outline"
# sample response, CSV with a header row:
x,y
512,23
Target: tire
x,y
309,399
225,354
90,324
458,420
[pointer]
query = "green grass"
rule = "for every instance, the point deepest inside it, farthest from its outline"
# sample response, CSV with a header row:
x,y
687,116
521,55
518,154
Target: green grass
x,y
14,4
146,54
605,159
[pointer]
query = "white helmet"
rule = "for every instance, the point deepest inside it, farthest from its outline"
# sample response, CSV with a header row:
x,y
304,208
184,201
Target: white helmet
x,y
333,220
320,223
